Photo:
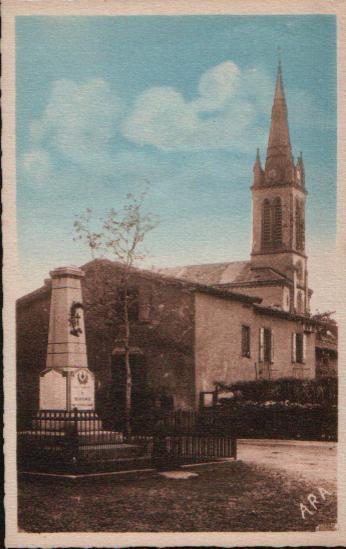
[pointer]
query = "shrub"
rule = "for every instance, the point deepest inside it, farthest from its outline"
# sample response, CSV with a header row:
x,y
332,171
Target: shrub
x,y
303,391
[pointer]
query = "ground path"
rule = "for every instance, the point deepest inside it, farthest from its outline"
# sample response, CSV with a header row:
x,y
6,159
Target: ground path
x,y
311,461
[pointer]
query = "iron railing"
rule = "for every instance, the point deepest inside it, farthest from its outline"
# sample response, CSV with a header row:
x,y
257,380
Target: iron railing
x,y
76,441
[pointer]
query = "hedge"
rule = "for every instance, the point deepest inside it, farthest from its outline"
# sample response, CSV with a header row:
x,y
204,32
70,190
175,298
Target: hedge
x,y
251,420
322,391
283,408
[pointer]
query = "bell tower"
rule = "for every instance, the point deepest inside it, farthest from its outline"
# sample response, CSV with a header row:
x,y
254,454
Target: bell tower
x,y
278,205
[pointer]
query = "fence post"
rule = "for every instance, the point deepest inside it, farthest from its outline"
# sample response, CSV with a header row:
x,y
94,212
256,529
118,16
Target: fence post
x,y
159,431
71,440
234,447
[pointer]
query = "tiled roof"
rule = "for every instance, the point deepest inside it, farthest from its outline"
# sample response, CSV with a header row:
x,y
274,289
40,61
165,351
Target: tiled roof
x,y
225,274
165,275
210,273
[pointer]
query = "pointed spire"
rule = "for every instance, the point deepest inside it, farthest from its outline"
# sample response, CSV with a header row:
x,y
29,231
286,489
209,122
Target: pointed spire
x,y
279,164
300,161
300,172
257,169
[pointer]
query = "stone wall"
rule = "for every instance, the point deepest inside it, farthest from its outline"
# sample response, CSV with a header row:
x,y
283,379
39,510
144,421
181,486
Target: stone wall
x,y
163,333
32,339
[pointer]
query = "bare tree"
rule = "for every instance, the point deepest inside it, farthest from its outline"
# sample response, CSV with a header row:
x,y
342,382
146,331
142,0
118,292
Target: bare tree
x,y
120,236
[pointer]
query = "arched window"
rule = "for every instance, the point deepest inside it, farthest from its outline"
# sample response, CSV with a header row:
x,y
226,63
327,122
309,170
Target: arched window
x,y
300,273
300,308
300,230
266,224
277,222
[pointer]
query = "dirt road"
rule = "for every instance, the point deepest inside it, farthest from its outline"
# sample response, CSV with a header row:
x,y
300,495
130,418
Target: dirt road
x,y
311,461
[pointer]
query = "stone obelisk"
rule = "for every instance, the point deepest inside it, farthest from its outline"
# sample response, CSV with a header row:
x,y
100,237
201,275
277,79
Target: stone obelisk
x,y
67,383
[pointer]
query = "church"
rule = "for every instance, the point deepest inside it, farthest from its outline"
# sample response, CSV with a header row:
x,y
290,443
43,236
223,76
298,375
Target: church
x,y
277,271
196,326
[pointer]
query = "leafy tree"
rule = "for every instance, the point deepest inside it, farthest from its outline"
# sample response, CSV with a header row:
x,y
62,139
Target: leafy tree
x,y
324,317
120,236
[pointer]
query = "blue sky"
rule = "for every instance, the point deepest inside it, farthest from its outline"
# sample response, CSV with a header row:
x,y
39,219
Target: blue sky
x,y
104,103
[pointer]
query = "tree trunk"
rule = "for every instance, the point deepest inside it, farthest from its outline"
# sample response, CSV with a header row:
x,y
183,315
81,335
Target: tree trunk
x,y
128,389
128,393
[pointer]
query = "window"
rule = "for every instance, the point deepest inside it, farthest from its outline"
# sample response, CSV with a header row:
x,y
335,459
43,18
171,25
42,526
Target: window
x,y
277,222
300,228
207,399
300,303
300,273
272,223
286,299
245,341
266,350
298,347
266,224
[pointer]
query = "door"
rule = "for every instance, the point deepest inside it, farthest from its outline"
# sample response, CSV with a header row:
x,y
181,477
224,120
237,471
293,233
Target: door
x,y
118,389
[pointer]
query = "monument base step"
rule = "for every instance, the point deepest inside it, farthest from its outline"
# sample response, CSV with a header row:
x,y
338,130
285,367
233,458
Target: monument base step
x,y
55,452
60,420
62,424
106,452
97,436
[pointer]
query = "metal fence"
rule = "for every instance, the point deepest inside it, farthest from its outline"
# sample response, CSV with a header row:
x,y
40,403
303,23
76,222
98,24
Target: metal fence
x,y
200,448
76,441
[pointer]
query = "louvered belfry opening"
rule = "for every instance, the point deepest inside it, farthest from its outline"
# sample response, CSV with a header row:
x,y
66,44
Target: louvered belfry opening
x,y
266,224
272,223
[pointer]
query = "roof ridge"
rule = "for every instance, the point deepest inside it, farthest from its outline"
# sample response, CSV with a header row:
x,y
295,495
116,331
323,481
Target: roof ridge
x,y
206,264
194,286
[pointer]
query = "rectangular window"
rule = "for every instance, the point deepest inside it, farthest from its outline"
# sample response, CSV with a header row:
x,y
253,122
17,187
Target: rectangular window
x,y
298,347
266,353
132,303
245,341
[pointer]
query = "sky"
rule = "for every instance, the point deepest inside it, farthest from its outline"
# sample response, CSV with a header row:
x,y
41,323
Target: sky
x,y
105,104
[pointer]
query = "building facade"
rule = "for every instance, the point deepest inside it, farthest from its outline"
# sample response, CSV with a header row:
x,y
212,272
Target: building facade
x,y
185,338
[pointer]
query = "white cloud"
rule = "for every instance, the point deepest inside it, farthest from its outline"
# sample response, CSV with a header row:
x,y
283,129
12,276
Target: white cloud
x,y
225,113
82,127
38,166
79,121
216,86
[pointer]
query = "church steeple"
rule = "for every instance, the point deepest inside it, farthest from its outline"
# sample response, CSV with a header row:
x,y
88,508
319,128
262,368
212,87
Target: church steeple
x,y
279,167
278,207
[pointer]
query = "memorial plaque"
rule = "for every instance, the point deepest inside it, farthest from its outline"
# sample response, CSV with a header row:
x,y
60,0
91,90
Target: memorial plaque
x,y
53,391
82,390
